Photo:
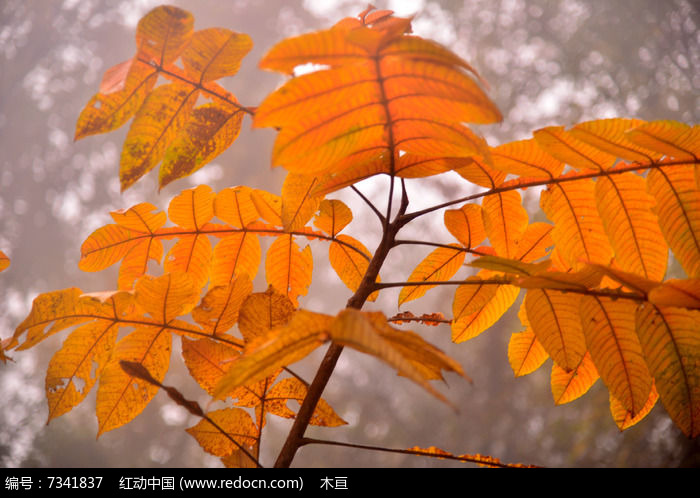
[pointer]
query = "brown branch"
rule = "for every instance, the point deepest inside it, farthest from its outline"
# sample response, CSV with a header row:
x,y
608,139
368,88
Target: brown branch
x,y
369,203
447,456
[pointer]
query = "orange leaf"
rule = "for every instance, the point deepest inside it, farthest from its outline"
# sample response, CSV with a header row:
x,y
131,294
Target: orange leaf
x,y
505,221
609,329
671,345
441,264
286,390
563,146
568,386
120,396
625,419
525,158
578,230
234,422
157,123
670,138
466,225
163,33
288,268
214,53
334,215
350,265
166,297
298,203
679,293
525,353
237,254
207,360
554,318
235,206
678,208
4,261
209,130
111,108
264,311
470,326
632,228
219,309
609,135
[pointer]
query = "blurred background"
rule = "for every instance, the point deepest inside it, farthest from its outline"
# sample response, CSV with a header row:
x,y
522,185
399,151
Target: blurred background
x,y
548,62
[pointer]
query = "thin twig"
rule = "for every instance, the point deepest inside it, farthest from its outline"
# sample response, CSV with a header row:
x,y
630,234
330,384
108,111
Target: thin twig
x,y
369,203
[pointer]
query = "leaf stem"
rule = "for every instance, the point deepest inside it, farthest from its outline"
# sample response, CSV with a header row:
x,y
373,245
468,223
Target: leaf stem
x,y
369,203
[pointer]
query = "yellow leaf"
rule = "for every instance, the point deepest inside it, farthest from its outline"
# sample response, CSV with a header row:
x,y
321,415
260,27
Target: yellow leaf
x,y
235,206
163,33
277,348
75,367
262,312
441,264
350,265
334,215
670,340
482,460
155,125
209,130
678,208
237,254
108,110
466,225
568,386
269,206
214,53
470,298
625,419
292,389
670,138
632,228
208,360
563,146
609,135
120,396
289,269
219,309
578,230
505,221
513,266
166,297
535,243
298,203
358,330
609,328
554,318
470,326
231,423
678,293
525,353
525,158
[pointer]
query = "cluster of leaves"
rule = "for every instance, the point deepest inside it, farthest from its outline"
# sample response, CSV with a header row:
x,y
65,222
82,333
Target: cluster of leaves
x,y
619,193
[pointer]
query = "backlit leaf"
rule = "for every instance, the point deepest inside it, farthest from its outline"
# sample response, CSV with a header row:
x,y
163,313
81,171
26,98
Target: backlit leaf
x,y
678,208
237,254
670,340
633,230
264,311
107,111
679,293
348,264
505,221
525,353
214,53
334,215
209,130
554,318
665,137
4,261
609,328
470,326
441,264
288,268
120,396
563,146
163,33
568,386
208,360
466,225
525,158
293,390
155,125
219,309
298,203
235,423
610,136
623,418
235,206
578,230
277,348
